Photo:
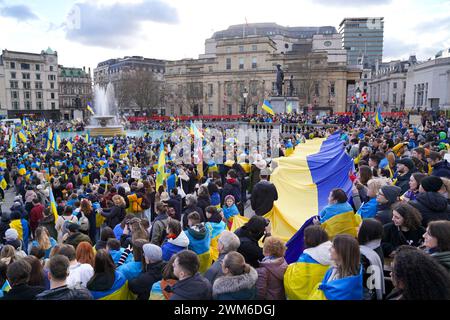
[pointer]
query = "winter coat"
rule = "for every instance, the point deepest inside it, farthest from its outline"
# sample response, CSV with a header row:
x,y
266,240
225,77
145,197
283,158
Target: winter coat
x,y
177,203
232,187
270,279
441,169
113,215
187,211
249,247
172,246
394,238
75,238
143,283
403,182
157,233
263,196
240,287
49,223
203,202
131,270
65,293
196,287
215,270
36,215
432,206
22,292
384,213
443,258
116,254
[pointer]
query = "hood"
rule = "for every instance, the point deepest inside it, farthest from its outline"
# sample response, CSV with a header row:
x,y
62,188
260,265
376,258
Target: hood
x,y
276,267
198,231
433,201
182,240
321,253
228,284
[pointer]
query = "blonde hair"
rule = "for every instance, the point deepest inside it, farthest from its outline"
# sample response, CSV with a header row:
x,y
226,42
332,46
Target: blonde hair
x,y
119,200
376,184
274,246
43,238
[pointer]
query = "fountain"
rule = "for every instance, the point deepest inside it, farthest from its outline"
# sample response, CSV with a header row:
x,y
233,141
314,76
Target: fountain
x,y
106,122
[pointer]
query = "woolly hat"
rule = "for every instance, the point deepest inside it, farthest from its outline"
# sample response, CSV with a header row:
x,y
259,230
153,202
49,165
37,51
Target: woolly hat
x,y
431,184
407,162
391,193
11,235
229,197
152,252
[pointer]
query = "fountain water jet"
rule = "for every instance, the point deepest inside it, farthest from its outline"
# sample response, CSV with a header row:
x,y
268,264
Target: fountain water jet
x,y
106,122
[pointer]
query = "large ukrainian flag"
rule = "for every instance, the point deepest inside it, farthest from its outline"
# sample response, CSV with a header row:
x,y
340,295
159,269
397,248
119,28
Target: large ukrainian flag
x,y
119,290
304,181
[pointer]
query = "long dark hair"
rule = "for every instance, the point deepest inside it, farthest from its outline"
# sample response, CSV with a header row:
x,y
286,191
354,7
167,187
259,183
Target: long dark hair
x,y
347,248
421,277
36,275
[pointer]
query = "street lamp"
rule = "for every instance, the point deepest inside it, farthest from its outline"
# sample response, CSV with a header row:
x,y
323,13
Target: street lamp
x,y
245,95
357,96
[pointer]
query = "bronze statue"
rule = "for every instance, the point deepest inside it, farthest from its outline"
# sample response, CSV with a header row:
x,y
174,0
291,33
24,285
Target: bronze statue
x,y
280,80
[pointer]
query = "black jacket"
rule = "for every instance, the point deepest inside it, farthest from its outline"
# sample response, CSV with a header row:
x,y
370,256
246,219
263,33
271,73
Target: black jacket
x,y
114,215
403,182
65,293
394,238
77,237
189,210
196,287
441,169
263,195
384,213
142,285
22,292
432,206
203,203
249,247
176,202
233,189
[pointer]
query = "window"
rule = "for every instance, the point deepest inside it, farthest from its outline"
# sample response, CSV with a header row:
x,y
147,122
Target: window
x,y
13,75
254,64
404,84
38,67
52,95
27,85
230,109
14,84
15,105
228,67
395,85
229,88
26,76
316,88
210,106
27,95
332,88
38,85
241,63
365,84
38,76
14,95
25,66
38,94
39,105
210,90
241,48
53,106
51,68
210,69
365,76
228,49
254,47
52,85
51,77
28,105
253,88
394,99
12,65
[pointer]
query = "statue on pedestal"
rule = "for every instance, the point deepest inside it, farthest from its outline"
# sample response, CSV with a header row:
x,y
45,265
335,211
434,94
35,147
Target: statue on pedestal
x,y
280,80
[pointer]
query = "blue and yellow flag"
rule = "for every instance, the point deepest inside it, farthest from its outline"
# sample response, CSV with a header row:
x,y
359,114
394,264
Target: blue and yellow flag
x,y
88,138
89,108
56,141
289,107
267,107
378,117
22,169
12,141
22,136
160,173
3,183
53,204
348,288
69,145
49,138
110,149
118,291
3,163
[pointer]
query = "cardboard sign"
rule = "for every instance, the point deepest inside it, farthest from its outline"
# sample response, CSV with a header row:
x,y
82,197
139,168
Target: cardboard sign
x,y
136,173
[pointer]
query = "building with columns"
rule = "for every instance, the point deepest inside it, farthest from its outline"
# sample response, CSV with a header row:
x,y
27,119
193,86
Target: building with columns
x,y
31,84
75,91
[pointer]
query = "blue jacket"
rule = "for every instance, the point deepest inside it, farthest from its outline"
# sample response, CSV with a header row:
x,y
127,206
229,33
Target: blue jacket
x,y
441,169
115,255
368,209
131,270
47,252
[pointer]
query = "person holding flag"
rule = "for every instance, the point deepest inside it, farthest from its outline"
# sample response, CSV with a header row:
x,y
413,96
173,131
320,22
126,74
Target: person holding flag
x,y
161,173
89,108
378,116
267,107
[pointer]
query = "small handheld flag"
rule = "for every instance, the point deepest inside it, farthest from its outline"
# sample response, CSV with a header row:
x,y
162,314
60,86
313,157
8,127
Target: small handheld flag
x,y
378,117
89,108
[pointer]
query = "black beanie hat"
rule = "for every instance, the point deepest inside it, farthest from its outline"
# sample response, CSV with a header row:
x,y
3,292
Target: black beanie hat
x,y
391,193
431,184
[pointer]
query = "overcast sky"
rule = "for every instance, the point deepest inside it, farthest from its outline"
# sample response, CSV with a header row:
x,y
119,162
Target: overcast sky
x,y
87,32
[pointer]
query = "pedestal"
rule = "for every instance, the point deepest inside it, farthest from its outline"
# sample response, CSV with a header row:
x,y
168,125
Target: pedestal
x,y
280,104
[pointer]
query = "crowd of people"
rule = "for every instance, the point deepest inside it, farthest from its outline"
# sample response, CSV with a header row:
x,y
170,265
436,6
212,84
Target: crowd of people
x,y
81,227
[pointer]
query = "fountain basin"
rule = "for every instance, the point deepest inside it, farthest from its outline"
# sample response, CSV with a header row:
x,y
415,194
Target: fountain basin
x,y
104,129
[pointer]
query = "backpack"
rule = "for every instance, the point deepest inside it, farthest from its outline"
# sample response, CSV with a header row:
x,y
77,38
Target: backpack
x,y
83,222
65,226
